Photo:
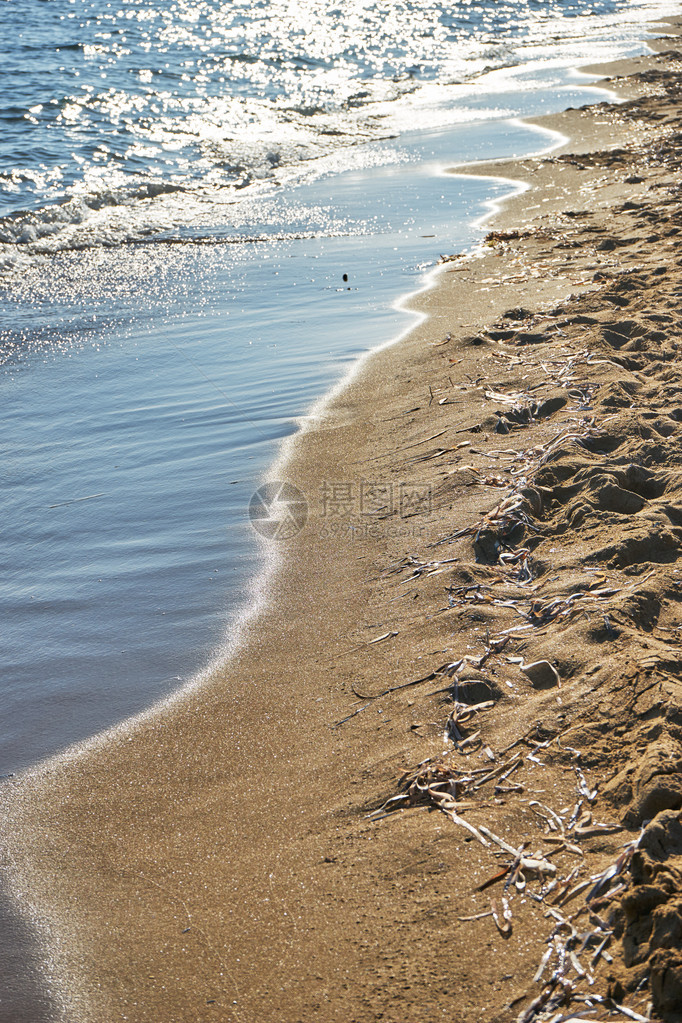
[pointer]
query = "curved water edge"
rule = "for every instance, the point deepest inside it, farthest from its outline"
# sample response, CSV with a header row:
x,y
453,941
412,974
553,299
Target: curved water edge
x,y
275,561
164,637
155,97
28,995
42,1000
274,555
173,404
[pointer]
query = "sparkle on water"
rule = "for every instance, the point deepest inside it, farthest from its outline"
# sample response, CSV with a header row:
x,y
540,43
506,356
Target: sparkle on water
x,y
116,105
148,379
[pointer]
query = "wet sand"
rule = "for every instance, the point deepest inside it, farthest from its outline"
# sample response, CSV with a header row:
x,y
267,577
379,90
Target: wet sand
x,y
505,484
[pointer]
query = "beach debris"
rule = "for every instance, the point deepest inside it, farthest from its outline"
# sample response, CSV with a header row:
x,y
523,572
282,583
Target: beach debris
x,y
476,916
372,642
493,237
455,789
465,824
503,921
538,495
566,942
583,788
350,716
380,639
460,715
542,674
396,689
418,568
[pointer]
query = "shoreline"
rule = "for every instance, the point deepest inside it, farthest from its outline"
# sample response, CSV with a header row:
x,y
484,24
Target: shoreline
x,y
258,583
36,730
109,829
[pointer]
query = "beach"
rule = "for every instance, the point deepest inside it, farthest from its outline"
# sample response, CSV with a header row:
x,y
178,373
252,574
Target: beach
x,y
479,617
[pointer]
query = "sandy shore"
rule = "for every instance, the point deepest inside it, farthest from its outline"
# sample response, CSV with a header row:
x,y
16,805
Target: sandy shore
x,y
502,489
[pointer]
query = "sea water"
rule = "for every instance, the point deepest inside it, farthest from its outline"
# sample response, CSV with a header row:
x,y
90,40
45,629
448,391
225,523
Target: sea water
x,y
208,211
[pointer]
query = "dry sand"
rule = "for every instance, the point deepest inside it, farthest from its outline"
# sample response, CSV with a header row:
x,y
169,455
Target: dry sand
x,y
216,860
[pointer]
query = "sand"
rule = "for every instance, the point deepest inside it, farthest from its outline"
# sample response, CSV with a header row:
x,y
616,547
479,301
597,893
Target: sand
x,y
501,489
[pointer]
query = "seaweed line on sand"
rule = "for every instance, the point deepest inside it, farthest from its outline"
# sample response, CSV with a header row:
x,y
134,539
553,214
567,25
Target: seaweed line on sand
x,y
569,585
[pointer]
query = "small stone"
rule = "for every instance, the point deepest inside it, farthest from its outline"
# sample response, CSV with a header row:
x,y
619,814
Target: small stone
x,y
542,674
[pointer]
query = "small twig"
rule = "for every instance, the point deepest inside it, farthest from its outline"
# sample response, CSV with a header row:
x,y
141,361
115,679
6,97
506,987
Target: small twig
x,y
395,689
343,720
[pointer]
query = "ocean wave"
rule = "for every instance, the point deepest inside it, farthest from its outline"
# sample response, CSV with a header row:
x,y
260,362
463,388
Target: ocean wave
x,y
166,217
152,110
237,173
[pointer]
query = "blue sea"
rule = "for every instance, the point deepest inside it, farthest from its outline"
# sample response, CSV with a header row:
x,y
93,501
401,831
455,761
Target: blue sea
x,y
183,186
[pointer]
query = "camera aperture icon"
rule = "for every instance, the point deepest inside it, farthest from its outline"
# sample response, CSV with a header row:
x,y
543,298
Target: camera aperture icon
x,y
278,510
